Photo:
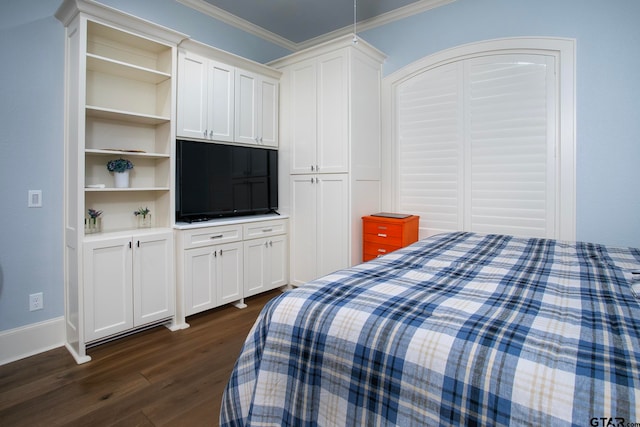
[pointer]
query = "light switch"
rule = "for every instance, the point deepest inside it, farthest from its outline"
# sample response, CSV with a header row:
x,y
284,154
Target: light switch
x,y
35,199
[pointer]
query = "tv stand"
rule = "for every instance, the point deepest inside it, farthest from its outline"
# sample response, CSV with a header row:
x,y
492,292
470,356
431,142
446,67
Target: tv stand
x,y
225,260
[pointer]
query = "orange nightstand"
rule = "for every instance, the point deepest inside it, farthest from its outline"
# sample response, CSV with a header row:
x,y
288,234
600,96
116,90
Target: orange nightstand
x,y
381,234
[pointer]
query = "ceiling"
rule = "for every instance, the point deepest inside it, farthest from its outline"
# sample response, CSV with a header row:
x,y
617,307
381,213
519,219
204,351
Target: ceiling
x,y
295,24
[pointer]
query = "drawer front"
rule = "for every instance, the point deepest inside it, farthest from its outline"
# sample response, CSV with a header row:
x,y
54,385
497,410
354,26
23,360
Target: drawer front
x,y
256,230
383,229
383,239
211,236
373,250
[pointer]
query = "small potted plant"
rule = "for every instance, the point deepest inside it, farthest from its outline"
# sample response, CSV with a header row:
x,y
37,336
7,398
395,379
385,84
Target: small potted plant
x,y
144,217
93,224
121,168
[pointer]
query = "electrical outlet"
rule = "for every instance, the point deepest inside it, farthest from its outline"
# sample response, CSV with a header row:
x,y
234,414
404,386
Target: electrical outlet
x,y
36,302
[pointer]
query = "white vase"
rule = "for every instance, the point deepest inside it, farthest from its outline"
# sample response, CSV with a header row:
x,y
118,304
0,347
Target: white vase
x,y
122,179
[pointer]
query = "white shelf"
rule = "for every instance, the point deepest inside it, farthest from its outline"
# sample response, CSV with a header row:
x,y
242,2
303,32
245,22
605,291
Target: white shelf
x,y
125,232
130,189
125,116
122,69
107,152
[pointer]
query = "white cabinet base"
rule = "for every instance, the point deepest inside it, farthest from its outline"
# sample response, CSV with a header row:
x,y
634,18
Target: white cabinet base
x,y
224,261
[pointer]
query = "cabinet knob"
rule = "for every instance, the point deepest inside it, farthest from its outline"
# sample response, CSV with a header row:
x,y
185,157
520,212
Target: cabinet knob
x,y
205,133
211,134
312,168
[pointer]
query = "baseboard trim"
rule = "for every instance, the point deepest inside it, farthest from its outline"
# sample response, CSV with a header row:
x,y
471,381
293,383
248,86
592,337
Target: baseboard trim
x,y
18,343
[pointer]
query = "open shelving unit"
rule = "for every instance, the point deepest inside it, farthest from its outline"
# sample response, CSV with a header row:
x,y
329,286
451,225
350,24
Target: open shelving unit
x,y
120,103
128,114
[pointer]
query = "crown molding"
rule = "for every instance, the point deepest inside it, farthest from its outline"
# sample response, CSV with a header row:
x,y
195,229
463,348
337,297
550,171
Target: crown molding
x,y
69,9
394,15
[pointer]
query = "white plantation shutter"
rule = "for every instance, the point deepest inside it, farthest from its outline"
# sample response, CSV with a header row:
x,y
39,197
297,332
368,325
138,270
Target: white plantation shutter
x,y
430,148
476,146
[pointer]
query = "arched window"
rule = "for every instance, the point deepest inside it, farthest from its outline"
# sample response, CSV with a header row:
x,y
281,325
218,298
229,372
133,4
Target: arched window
x,y
481,138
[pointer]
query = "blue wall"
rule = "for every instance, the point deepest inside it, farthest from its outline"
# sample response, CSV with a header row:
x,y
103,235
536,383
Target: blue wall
x,y
32,94
607,37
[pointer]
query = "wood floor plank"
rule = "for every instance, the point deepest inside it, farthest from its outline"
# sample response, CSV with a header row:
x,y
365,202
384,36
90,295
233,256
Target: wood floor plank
x,y
153,378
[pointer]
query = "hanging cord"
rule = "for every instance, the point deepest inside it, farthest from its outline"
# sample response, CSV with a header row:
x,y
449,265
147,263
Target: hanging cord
x,y
355,14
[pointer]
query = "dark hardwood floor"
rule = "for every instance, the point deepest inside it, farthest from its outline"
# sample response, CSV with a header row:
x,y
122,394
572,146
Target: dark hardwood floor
x,y
153,378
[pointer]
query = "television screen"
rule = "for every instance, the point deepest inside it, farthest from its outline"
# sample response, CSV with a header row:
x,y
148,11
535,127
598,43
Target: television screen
x,y
216,180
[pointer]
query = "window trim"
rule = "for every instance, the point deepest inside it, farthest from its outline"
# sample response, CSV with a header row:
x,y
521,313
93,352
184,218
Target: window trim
x,y
565,52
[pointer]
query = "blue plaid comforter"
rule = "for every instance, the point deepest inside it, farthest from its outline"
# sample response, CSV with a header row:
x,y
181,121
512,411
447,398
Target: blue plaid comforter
x,y
457,329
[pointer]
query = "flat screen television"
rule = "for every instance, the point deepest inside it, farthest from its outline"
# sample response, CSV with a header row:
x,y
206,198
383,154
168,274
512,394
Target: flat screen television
x,y
216,180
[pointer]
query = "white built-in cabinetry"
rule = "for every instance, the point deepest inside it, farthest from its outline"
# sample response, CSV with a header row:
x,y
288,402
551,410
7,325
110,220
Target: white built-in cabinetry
x,y
319,225
120,102
206,98
223,261
128,282
330,114
222,97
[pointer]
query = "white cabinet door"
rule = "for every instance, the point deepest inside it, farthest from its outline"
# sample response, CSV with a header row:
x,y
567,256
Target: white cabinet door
x,y
229,276
303,113
333,113
193,76
128,282
278,262
320,228
303,228
213,276
205,98
268,113
256,109
246,118
256,266
320,118
221,104
153,276
108,299
265,264
199,280
333,223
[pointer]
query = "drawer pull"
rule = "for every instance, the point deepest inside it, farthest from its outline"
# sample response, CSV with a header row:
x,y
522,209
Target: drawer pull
x,y
382,227
267,230
382,235
218,236
382,251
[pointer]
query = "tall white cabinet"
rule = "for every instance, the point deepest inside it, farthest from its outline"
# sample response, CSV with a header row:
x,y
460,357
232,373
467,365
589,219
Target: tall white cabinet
x,y
330,138
120,103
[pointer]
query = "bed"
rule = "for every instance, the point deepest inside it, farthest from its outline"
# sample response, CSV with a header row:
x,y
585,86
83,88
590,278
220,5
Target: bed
x,y
456,329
